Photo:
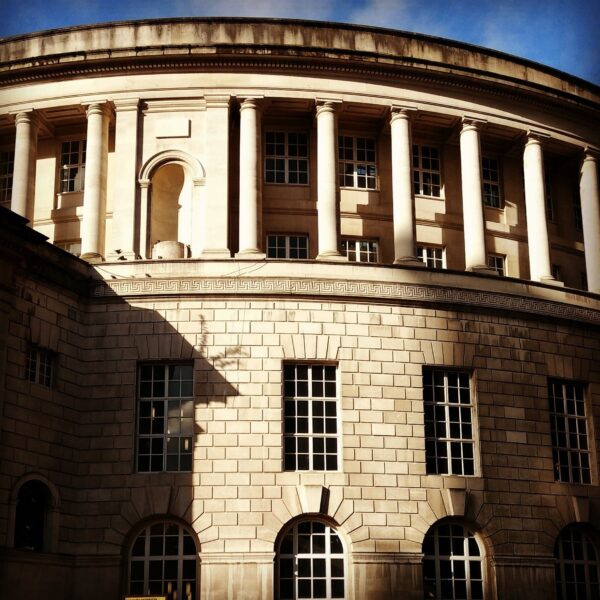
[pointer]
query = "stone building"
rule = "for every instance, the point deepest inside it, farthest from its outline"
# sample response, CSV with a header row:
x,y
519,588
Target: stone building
x,y
334,331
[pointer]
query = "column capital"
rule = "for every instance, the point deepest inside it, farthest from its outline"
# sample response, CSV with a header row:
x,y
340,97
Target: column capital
x,y
399,111
253,102
29,116
536,137
126,104
97,108
144,183
324,105
470,123
591,153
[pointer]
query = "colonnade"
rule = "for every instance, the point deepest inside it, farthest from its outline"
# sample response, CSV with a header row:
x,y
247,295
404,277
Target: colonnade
x,y
94,198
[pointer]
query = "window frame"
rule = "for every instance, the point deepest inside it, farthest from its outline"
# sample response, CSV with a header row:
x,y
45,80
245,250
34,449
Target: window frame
x,y
343,161
286,157
69,245
40,366
78,179
492,260
448,440
288,246
425,248
419,172
372,250
567,448
310,416
488,181
154,402
7,168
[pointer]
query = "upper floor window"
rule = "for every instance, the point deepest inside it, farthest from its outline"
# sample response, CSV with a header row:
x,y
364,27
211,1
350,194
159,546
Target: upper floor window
x,y
163,561
310,562
549,198
310,417
449,445
287,246
359,250
497,262
426,171
491,182
33,501
577,566
286,157
7,163
577,218
72,247
568,426
72,166
357,162
432,256
165,417
452,563
39,366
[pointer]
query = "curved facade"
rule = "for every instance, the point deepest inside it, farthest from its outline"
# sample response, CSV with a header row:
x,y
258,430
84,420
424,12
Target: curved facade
x,y
335,332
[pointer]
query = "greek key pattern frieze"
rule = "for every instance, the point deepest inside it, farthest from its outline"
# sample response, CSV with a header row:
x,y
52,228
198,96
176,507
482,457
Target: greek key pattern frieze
x,y
385,291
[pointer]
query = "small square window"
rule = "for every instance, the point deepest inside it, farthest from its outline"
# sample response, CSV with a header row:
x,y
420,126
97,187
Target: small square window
x,y
497,262
39,366
432,256
287,246
360,250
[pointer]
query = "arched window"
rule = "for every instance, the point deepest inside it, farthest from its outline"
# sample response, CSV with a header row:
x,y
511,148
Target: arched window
x,y
163,560
577,566
310,562
452,563
33,501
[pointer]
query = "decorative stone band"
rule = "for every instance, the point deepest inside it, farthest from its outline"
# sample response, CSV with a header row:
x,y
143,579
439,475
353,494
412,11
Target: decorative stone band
x,y
386,292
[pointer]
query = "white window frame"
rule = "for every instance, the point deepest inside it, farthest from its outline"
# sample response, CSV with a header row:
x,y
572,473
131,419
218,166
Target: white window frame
x,y
72,173
572,463
287,157
467,557
589,558
7,165
357,161
300,425
490,182
434,257
290,240
296,556
190,587
159,419
426,176
357,248
39,367
440,439
497,262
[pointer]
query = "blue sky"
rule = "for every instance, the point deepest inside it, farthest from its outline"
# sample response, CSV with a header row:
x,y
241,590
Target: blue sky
x,y
564,34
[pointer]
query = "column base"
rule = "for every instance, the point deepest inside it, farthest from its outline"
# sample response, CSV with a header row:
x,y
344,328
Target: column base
x,y
332,256
551,281
484,269
214,254
409,261
250,255
92,257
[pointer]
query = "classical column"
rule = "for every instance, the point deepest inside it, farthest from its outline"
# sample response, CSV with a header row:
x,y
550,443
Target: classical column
x,y
249,183
124,235
402,192
590,215
94,193
535,210
472,197
327,214
23,187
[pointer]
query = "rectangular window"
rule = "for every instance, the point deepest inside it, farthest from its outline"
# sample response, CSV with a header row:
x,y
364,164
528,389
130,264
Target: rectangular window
x,y
286,157
426,171
449,445
39,366
73,247
287,246
549,199
498,263
357,165
165,417
568,426
577,218
432,256
555,270
310,417
72,166
7,164
358,250
491,182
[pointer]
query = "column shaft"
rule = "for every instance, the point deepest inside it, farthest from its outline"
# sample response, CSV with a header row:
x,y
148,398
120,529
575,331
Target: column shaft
x,y
402,193
473,219
23,187
326,183
535,210
590,213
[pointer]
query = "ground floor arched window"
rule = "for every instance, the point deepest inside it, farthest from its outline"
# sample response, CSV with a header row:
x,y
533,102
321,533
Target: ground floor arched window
x,y
163,560
577,566
452,563
33,502
310,563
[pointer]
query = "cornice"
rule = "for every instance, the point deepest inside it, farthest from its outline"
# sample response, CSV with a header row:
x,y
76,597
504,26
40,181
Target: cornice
x,y
381,291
